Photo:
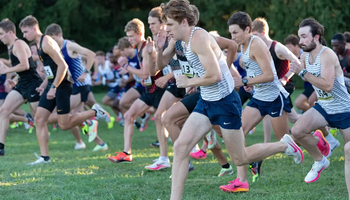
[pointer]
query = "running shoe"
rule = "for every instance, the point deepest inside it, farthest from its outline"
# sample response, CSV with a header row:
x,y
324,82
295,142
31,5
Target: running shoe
x,y
155,144
100,148
93,130
158,165
144,122
137,124
211,137
251,131
40,160
226,172
293,149
79,146
322,144
316,170
120,157
111,123
333,131
54,127
14,125
255,169
235,186
101,113
2,152
199,155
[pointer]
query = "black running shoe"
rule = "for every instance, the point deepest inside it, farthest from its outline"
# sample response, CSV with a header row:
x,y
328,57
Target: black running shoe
x,y
155,144
137,125
2,152
255,169
30,119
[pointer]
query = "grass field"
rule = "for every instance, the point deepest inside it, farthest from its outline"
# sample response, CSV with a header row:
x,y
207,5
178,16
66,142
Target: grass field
x,y
83,174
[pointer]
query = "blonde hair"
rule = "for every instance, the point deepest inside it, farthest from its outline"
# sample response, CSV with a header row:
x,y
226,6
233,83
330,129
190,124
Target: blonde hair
x,y
135,25
260,25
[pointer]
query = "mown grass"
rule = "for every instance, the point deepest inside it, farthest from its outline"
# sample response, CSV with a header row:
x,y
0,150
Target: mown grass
x,y
83,174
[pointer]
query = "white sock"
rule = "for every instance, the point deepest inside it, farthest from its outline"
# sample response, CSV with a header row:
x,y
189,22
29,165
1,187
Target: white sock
x,y
330,137
163,158
323,160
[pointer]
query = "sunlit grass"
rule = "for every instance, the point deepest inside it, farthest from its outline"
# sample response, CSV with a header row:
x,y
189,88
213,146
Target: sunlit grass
x,y
84,174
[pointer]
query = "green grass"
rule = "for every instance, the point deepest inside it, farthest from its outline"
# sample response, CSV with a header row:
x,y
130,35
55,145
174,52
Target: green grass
x,y
84,174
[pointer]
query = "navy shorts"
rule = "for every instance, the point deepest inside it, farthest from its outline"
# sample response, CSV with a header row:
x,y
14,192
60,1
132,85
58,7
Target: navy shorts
x,y
274,108
340,120
225,112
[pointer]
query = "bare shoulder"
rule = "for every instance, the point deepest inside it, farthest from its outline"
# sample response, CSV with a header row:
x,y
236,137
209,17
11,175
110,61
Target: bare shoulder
x,y
328,54
257,46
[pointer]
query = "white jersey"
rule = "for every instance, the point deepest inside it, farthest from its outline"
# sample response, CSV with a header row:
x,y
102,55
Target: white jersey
x,y
218,90
107,74
336,101
263,91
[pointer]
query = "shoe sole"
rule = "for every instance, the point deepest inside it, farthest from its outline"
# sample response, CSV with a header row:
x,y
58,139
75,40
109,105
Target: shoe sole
x,y
226,174
116,161
234,191
155,169
154,146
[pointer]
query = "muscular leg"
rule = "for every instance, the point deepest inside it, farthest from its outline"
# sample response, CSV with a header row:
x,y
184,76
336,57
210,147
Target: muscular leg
x,y
42,132
267,128
174,118
166,102
309,121
137,108
13,100
128,99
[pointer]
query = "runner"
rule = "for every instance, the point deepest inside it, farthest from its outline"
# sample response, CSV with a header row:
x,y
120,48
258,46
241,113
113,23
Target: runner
x,y
55,90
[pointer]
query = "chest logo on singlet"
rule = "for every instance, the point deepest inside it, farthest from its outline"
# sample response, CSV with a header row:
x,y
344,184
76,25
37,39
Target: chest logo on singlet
x,y
133,64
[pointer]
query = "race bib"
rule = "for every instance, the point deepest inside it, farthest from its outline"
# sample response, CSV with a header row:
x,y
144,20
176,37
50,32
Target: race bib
x,y
322,95
177,72
251,75
48,72
187,70
166,70
148,81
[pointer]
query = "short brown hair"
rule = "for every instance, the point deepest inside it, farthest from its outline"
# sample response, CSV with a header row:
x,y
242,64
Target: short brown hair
x,y
347,36
260,25
156,12
135,25
291,39
28,21
53,29
7,26
241,19
100,53
315,27
179,10
123,43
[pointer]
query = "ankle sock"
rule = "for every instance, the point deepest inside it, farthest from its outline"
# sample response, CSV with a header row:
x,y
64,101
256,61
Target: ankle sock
x,y
203,151
2,146
102,144
226,166
127,153
46,158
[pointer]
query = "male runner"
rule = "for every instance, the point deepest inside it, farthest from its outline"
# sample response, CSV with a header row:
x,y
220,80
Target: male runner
x,y
72,54
217,95
25,90
320,66
55,90
152,94
347,36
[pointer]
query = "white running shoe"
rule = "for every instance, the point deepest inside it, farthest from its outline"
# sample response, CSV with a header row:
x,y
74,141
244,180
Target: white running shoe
x,y
333,145
93,130
40,160
158,165
292,149
316,170
226,172
101,113
79,146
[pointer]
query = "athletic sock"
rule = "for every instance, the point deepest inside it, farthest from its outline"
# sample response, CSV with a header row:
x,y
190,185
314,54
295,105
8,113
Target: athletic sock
x,y
226,166
330,137
2,146
144,115
127,153
323,160
163,158
203,151
102,144
46,158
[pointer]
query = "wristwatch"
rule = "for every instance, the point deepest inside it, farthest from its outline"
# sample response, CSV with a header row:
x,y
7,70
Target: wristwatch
x,y
245,81
53,86
86,71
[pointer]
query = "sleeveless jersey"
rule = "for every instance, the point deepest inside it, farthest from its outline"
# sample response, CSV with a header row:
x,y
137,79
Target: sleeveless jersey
x,y
49,65
134,62
186,68
263,91
27,75
75,66
282,66
336,101
218,90
107,74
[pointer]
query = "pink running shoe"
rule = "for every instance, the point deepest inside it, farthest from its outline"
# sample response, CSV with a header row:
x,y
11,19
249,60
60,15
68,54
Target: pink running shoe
x,y
235,186
199,155
322,144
